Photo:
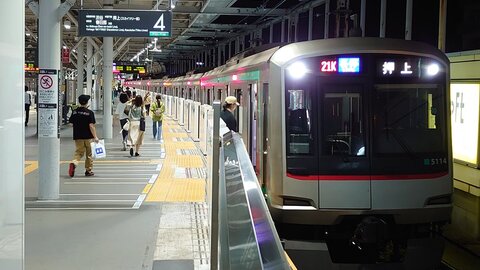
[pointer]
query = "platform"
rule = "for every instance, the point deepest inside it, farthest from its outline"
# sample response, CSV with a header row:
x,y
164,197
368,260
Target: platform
x,y
144,212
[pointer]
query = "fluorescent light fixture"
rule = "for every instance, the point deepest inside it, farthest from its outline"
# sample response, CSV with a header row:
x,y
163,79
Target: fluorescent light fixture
x,y
27,34
433,69
297,70
67,24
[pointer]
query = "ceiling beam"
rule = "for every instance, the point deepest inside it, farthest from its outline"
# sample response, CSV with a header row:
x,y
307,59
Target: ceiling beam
x,y
229,11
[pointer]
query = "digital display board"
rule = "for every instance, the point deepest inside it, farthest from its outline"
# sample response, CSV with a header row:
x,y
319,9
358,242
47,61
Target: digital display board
x,y
129,68
30,67
398,67
340,65
124,23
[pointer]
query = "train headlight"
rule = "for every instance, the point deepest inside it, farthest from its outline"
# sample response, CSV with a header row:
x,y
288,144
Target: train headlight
x,y
433,69
297,70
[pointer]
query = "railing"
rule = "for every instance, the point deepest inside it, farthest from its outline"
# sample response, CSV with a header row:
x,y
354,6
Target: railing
x,y
240,221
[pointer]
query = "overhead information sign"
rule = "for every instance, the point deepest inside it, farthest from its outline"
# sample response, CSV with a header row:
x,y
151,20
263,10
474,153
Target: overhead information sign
x,y
124,23
128,68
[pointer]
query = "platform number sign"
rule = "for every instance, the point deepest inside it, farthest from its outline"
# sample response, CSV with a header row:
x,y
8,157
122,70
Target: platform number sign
x,y
124,23
160,24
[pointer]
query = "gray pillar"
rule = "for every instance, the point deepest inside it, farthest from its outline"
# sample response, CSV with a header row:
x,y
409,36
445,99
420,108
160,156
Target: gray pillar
x,y
237,45
12,134
310,23
442,25
327,19
282,35
408,20
89,68
107,80
48,145
270,38
296,28
80,68
219,57
363,12
383,18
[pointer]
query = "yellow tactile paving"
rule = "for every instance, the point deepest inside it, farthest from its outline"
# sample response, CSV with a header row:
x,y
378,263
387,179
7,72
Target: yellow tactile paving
x,y
189,161
167,188
30,166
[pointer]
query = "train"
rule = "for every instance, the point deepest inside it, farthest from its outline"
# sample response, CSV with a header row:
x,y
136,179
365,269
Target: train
x,y
348,136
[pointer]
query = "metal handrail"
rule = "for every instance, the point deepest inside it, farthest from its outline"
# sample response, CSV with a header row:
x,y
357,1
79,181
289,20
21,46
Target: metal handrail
x,y
247,238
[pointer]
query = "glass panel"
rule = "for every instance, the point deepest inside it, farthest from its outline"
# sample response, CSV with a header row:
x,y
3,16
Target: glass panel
x,y
406,117
299,125
342,125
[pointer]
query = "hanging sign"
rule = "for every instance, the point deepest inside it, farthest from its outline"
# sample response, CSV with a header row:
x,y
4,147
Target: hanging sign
x,y
124,23
65,55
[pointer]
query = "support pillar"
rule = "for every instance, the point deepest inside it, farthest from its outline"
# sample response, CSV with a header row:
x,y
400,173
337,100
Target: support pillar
x,y
327,19
12,133
442,25
383,18
49,58
363,7
107,80
408,20
80,68
89,68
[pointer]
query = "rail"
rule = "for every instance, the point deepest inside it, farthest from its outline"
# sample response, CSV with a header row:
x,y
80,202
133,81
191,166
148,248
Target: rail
x,y
244,229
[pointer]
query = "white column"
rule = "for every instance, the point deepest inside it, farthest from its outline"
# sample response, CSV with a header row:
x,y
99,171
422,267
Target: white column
x,y
80,68
107,80
363,7
49,58
383,18
12,134
89,68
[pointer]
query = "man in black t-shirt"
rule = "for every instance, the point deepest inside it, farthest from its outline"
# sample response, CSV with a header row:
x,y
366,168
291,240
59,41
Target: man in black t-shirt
x,y
229,107
83,121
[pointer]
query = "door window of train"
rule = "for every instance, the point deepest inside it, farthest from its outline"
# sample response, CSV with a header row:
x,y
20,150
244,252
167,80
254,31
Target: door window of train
x,y
409,119
299,123
343,131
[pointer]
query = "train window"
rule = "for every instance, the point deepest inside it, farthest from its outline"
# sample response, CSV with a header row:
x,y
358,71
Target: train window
x,y
409,119
299,124
343,132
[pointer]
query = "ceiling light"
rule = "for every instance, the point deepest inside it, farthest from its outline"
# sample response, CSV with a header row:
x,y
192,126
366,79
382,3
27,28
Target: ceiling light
x,y
27,34
67,24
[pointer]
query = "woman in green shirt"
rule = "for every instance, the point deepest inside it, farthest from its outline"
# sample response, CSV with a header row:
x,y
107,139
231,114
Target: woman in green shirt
x,y
157,108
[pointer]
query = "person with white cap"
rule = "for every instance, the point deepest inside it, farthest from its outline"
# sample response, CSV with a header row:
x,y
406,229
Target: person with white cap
x,y
229,107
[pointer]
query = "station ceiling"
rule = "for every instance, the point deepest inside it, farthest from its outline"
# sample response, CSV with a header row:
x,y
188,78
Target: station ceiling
x,y
196,24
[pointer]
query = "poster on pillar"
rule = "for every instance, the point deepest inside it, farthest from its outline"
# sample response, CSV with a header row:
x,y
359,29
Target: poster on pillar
x,y
48,103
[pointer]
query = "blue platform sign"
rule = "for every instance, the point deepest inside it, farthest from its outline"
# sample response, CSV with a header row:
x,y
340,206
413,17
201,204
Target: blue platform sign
x,y
124,23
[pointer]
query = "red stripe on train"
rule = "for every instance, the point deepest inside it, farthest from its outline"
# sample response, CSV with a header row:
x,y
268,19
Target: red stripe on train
x,y
366,177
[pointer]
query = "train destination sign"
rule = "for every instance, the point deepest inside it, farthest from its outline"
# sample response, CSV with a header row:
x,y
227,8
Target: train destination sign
x,y
128,68
340,65
124,23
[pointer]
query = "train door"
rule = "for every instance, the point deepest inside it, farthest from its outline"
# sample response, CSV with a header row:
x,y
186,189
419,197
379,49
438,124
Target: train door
x,y
253,123
344,169
262,170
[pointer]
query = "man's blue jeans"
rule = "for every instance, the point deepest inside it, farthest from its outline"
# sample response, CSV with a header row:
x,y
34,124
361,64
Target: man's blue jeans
x,y
157,130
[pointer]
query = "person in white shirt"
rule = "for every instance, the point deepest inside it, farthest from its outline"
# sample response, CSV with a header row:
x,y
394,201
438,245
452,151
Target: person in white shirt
x,y
120,112
28,102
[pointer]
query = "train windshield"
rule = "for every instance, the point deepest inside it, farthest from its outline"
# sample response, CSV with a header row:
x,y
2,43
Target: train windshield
x,y
408,120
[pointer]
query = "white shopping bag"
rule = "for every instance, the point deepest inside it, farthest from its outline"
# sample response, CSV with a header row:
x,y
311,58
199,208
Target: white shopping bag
x,y
98,149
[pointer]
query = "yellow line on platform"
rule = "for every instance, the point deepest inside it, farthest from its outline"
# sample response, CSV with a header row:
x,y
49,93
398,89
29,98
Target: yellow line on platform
x,y
30,166
167,188
147,188
290,262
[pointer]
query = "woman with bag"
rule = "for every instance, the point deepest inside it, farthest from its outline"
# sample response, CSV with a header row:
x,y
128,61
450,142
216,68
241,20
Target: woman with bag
x,y
157,110
122,112
136,117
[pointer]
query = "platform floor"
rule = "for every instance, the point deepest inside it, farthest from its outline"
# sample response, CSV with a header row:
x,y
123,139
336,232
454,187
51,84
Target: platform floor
x,y
144,212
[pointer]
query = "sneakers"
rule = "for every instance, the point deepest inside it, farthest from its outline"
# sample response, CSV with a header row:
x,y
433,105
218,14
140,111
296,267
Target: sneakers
x,y
137,154
71,170
124,146
131,152
89,173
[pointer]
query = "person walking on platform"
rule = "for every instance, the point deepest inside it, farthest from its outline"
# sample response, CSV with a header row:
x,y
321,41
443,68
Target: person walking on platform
x,y
84,131
120,111
157,110
136,117
229,107
28,103
147,100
